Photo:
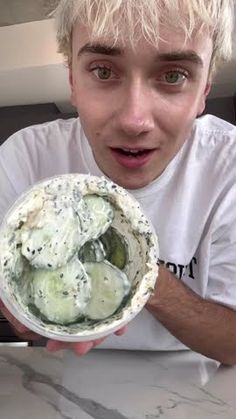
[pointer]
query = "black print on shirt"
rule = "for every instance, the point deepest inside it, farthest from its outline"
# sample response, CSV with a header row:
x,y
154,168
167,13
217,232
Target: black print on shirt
x,y
181,270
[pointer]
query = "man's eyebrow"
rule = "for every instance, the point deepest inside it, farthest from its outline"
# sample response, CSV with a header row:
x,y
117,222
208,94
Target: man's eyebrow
x,y
98,48
190,56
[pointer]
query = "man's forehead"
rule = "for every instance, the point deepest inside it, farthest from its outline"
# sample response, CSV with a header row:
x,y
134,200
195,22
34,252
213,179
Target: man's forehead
x,y
170,47
167,36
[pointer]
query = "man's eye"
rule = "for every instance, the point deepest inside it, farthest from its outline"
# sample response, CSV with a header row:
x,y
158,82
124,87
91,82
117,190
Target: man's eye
x,y
175,77
102,73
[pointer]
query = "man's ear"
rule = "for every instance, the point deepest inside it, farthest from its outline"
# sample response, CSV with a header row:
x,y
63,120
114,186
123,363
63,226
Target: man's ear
x,y
72,92
202,103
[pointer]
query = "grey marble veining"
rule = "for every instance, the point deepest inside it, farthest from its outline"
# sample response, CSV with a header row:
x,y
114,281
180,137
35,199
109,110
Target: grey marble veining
x,y
114,385
30,378
31,381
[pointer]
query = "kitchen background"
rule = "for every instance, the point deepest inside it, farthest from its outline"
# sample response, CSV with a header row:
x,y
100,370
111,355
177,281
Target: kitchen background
x,y
33,78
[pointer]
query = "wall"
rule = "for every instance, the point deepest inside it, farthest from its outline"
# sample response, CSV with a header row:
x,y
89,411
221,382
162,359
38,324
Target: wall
x,y
29,45
31,70
223,108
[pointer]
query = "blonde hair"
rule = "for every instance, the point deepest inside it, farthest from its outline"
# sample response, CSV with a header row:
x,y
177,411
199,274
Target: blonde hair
x,y
119,20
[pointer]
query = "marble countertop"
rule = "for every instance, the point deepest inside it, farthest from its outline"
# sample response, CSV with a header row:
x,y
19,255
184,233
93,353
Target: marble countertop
x,y
114,385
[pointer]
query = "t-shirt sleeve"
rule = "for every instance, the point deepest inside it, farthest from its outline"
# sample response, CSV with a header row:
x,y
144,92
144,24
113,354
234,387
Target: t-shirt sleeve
x,y
14,171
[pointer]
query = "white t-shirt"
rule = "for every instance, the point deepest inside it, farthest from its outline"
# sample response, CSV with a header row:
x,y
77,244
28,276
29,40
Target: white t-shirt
x,y
192,206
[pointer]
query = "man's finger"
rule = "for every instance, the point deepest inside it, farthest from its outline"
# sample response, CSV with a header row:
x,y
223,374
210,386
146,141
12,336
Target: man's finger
x,y
121,331
13,321
19,329
80,348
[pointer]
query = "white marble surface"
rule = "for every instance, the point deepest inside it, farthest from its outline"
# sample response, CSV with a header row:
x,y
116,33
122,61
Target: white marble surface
x,y
114,385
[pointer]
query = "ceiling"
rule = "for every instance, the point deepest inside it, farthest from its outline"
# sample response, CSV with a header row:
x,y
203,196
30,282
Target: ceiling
x,y
31,70
22,11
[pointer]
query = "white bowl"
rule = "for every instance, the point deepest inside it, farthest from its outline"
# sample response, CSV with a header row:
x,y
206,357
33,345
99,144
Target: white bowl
x,y
141,268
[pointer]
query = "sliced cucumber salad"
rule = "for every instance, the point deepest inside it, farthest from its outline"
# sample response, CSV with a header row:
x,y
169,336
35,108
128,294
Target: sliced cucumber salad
x,y
74,260
77,254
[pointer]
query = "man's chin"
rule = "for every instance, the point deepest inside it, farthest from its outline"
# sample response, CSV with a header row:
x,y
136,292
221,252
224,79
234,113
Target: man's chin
x,y
127,180
131,183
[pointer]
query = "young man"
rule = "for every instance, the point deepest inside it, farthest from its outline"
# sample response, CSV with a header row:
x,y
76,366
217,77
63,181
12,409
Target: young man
x,y
140,73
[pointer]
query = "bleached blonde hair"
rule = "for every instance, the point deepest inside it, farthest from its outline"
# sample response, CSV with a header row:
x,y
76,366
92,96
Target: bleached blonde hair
x,y
122,20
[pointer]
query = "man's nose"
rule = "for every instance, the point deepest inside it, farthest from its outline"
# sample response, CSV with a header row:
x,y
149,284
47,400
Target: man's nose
x,y
135,115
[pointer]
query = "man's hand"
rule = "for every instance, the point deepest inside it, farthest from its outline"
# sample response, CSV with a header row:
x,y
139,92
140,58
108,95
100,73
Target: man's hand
x,y
18,328
80,348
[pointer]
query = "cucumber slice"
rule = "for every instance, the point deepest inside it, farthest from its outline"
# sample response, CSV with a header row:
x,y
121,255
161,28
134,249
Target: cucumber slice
x,y
115,248
92,251
62,295
101,215
54,241
109,287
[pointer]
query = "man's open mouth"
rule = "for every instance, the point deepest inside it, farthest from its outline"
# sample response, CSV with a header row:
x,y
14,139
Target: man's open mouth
x,y
133,153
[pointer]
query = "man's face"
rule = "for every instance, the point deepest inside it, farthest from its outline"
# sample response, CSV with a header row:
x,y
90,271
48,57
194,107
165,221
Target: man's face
x,y
137,108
